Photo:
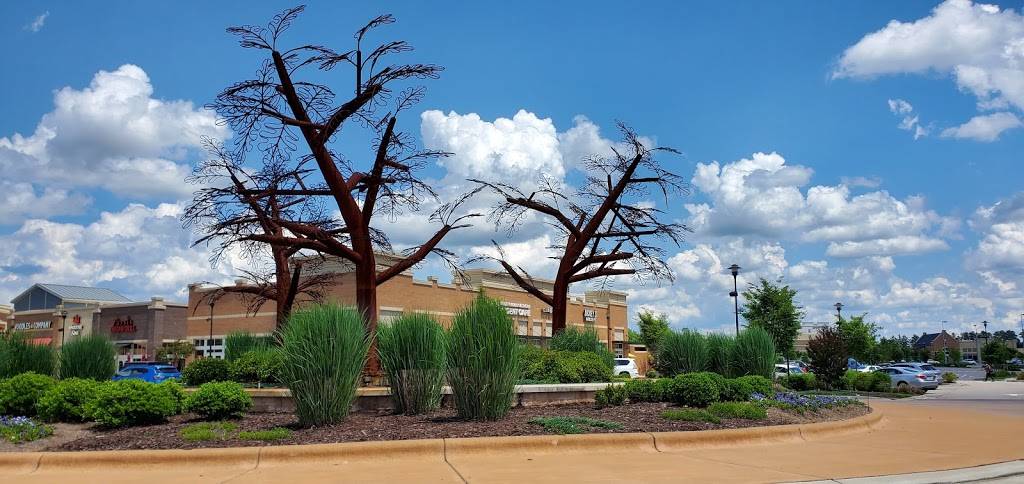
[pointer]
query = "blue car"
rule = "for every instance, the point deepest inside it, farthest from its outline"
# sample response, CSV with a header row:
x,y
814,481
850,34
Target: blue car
x,y
148,371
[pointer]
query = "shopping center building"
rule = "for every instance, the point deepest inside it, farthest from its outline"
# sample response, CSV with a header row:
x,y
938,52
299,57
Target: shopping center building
x,y
53,314
604,311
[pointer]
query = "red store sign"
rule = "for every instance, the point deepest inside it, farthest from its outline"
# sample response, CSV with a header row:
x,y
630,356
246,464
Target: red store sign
x,y
123,325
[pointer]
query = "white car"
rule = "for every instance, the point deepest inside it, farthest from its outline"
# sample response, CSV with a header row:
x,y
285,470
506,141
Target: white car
x,y
626,367
868,368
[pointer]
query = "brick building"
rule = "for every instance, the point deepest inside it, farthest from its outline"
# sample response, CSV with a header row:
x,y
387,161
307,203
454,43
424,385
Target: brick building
x,y
5,312
937,343
604,311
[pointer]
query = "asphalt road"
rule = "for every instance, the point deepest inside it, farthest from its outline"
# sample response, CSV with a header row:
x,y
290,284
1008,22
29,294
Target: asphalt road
x,y
965,373
1002,397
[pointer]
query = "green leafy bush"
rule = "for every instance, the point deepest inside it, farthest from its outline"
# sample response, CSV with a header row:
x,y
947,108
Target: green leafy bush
x,y
131,402
800,382
736,390
744,410
720,350
258,366
682,352
949,377
324,349
483,360
174,390
412,352
205,370
66,401
576,340
18,355
20,393
693,390
564,366
238,343
92,357
881,382
219,400
753,353
611,395
645,390
573,425
760,384
652,373
690,415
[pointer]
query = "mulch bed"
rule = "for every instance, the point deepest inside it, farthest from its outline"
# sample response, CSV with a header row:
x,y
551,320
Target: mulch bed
x,y
641,417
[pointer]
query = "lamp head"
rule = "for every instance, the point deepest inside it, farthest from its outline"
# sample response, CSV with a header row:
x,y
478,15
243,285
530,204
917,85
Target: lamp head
x,y
734,269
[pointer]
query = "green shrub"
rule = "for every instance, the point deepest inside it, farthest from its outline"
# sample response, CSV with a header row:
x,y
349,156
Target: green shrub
x,y
258,366
652,373
682,352
690,415
828,357
573,425
92,357
564,366
174,390
744,410
238,343
66,401
800,382
20,393
611,395
760,384
125,403
881,382
205,370
324,349
207,431
736,390
753,353
693,390
483,360
718,379
644,390
412,352
18,355
949,377
276,433
219,400
576,340
720,350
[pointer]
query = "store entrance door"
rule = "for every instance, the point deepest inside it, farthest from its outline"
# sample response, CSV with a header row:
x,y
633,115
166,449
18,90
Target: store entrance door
x,y
130,353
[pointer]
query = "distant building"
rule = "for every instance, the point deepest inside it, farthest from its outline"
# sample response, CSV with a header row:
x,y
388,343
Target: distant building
x,y
5,312
806,334
937,342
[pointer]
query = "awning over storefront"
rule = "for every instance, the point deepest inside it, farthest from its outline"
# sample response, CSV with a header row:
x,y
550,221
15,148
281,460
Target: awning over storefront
x,y
40,341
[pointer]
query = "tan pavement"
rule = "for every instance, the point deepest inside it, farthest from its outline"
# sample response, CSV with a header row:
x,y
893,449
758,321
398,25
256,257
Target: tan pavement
x,y
912,436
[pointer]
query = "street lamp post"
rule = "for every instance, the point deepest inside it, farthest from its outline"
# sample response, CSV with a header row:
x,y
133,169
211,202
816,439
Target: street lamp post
x,y
735,270
209,342
63,322
839,311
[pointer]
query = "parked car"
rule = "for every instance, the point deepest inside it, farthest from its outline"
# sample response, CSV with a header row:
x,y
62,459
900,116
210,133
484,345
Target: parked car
x,y
970,363
869,368
919,367
150,371
904,378
933,362
626,367
794,369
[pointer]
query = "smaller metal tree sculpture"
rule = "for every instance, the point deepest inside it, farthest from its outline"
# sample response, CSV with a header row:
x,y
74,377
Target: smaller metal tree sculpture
x,y
607,227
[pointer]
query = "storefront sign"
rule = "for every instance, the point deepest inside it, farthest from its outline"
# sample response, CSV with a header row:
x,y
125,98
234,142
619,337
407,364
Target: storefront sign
x,y
589,315
516,309
546,311
123,325
32,325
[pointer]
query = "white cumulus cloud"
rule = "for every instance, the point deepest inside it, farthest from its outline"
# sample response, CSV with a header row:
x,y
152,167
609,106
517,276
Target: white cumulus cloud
x,y
984,127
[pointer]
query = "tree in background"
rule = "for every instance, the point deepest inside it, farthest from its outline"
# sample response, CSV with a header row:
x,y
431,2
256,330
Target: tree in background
x,y
996,353
653,328
955,356
859,338
771,307
606,228
175,353
828,356
1006,335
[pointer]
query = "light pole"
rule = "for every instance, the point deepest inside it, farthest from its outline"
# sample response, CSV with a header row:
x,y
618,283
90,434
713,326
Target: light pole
x,y
735,270
209,342
977,343
839,312
63,322
945,346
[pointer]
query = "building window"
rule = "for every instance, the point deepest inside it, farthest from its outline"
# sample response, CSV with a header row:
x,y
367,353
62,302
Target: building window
x,y
537,328
215,348
522,328
387,316
619,351
547,329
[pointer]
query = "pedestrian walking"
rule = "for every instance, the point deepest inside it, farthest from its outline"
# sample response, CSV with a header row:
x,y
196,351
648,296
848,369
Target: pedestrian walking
x,y
988,372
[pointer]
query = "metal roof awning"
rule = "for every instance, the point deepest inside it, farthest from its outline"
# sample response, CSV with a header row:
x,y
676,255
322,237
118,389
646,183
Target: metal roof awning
x,y
40,341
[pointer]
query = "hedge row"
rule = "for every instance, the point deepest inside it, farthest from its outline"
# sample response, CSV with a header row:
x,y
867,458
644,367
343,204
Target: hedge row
x,y
698,389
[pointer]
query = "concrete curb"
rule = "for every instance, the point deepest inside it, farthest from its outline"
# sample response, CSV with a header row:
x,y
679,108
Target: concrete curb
x,y
439,450
984,473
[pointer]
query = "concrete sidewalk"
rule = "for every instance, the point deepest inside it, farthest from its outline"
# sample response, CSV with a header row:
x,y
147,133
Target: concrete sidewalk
x,y
910,438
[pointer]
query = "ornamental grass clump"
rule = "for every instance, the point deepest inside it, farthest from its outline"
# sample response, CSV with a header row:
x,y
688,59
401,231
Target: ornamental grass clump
x,y
238,343
92,357
682,352
720,350
753,353
324,350
18,355
412,352
483,360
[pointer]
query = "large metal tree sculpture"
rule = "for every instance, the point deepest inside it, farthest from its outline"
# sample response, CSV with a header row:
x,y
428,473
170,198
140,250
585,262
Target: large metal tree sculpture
x,y
606,227
233,220
277,112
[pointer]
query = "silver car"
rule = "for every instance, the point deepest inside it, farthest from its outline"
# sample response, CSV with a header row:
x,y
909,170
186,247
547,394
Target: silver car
x,y
906,378
920,367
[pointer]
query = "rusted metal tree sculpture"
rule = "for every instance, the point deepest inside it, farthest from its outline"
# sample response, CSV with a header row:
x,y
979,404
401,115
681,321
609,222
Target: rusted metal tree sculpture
x,y
277,112
606,227
231,219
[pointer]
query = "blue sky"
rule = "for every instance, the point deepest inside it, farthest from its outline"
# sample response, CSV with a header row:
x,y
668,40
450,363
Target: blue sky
x,y
824,85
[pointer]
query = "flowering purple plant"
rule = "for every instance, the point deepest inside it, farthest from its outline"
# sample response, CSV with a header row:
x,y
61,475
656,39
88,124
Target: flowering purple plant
x,y
814,402
22,429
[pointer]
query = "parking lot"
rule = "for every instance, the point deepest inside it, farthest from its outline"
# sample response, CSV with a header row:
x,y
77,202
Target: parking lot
x,y
965,373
